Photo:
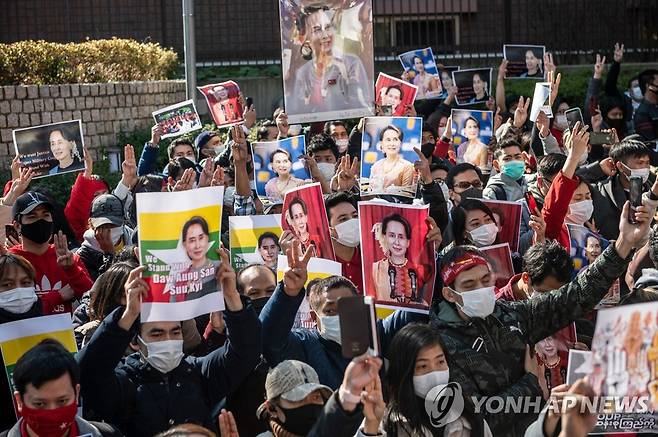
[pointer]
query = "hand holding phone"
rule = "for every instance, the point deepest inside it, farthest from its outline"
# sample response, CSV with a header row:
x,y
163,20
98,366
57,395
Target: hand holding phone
x,y
635,198
358,326
574,115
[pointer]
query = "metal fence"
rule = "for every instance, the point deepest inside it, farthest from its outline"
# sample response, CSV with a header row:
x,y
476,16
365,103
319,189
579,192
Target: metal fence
x,y
246,31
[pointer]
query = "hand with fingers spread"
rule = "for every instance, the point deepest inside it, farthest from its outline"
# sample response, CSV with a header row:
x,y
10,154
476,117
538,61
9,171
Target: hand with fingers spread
x,y
422,167
521,113
89,163
598,66
549,66
296,274
136,289
129,167
555,85
542,122
207,173
186,182
619,53
346,173
225,276
19,185
227,425
373,406
64,255
15,168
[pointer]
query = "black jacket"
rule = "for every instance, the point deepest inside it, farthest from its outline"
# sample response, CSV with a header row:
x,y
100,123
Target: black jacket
x,y
142,401
609,197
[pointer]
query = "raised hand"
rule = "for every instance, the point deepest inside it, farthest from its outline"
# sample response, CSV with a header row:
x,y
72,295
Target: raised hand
x,y
521,113
498,120
542,124
136,289
237,135
207,173
360,373
555,85
549,66
608,167
15,168
296,274
156,134
597,120
448,131
577,140
89,163
598,66
502,70
217,177
422,167
19,185
538,225
633,235
227,426
64,255
225,276
434,235
186,181
282,124
347,173
249,116
619,52
129,167
373,406
578,420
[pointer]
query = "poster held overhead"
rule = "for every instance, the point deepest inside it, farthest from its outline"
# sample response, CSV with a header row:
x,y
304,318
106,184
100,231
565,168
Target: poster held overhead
x,y
473,85
472,131
524,61
541,101
224,103
394,94
420,69
177,119
254,239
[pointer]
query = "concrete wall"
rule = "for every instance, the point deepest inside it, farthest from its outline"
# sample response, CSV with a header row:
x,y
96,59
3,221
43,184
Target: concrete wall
x,y
105,109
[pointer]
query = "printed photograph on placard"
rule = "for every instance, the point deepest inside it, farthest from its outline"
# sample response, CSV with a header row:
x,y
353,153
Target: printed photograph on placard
x,y
500,257
420,70
580,365
327,59
177,119
524,61
304,215
472,131
393,95
473,85
51,149
553,353
181,258
278,167
387,155
224,103
254,239
445,74
508,220
397,260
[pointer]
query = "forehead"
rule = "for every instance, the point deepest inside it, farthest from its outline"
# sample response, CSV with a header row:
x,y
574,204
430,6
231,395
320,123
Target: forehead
x,y
148,327
472,274
56,135
296,208
267,241
51,389
337,128
257,276
512,150
183,148
582,189
335,293
394,90
319,17
11,271
468,175
394,226
476,214
342,208
280,155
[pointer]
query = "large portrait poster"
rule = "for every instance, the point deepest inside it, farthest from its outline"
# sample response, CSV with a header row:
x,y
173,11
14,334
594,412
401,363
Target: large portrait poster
x,y
508,219
472,131
179,234
524,61
224,103
473,85
500,257
420,69
51,149
397,260
278,167
254,239
327,59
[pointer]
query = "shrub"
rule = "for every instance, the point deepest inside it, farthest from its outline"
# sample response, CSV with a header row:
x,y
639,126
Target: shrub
x,y
109,60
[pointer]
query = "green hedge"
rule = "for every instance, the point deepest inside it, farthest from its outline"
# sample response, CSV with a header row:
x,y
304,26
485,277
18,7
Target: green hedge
x,y
109,60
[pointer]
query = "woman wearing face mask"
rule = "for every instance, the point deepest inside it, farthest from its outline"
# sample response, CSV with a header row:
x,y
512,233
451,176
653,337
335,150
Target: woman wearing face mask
x,y
281,163
473,151
559,123
473,223
418,364
18,301
393,172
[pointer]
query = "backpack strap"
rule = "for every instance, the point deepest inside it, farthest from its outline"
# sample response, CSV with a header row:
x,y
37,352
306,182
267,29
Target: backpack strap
x,y
499,192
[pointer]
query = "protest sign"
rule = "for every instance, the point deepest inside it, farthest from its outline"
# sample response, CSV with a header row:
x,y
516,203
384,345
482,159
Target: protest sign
x,y
472,131
473,85
51,149
327,59
387,155
580,365
393,95
500,257
177,119
181,258
445,73
254,239
508,219
541,101
524,61
420,69
224,103
396,258
553,353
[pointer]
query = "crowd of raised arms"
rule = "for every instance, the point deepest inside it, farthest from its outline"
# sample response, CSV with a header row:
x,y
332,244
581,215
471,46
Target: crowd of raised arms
x,y
247,371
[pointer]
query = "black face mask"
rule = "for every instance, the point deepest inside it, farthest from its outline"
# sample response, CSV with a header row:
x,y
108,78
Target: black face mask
x,y
427,149
475,193
38,232
300,420
259,304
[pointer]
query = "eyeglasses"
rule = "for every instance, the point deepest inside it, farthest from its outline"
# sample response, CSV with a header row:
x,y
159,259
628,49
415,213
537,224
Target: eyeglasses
x,y
465,185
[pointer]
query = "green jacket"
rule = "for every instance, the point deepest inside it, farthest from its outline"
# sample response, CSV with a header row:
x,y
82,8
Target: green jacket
x,y
486,356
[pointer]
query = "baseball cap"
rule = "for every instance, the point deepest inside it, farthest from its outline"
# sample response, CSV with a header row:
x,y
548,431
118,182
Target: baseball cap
x,y
106,209
26,203
292,380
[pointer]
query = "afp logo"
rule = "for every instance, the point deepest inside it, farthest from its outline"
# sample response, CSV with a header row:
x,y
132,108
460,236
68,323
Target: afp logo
x,y
444,404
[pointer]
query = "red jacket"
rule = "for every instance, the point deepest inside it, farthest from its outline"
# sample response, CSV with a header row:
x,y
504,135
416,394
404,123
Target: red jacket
x,y
50,278
556,207
442,150
79,205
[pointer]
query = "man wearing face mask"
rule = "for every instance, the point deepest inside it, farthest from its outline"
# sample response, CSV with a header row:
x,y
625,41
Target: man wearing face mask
x,y
324,152
60,275
646,115
157,386
509,183
344,230
337,130
488,340
106,235
631,159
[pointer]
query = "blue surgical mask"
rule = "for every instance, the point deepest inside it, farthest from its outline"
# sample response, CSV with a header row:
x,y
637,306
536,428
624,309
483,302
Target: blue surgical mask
x,y
514,169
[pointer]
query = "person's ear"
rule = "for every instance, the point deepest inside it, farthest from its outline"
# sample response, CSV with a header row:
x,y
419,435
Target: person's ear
x,y
525,277
496,165
448,294
17,226
77,394
19,401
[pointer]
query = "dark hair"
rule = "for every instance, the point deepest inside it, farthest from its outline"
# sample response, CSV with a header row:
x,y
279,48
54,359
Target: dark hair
x,y
325,285
439,166
395,87
263,132
336,198
108,289
505,144
322,142
238,283
645,78
177,166
10,259
608,103
186,430
46,361
60,221
179,142
396,218
127,255
280,151
458,215
300,202
329,124
550,165
629,147
427,128
196,220
548,259
459,169
268,234
394,128
470,117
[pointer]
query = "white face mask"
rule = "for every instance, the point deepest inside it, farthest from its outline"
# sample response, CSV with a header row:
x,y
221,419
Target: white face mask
x,y
191,158
580,212
583,158
116,234
18,300
637,93
164,356
348,233
561,121
424,383
330,328
229,196
639,173
478,303
342,145
327,169
484,235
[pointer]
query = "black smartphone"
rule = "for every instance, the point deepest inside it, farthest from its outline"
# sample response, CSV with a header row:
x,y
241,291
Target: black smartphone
x,y
600,138
358,326
635,198
249,101
573,116
10,231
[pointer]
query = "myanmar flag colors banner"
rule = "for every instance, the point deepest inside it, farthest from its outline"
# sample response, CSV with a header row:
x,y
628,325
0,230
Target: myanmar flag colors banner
x,y
244,235
18,337
179,234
